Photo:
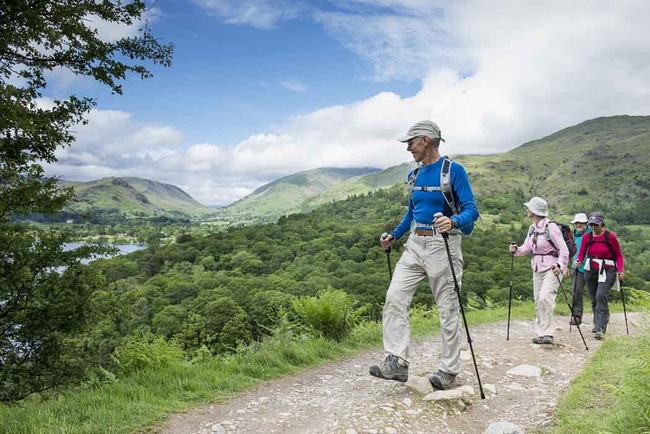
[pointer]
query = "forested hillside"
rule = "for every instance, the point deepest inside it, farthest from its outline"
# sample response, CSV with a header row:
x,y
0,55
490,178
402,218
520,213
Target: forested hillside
x,y
234,286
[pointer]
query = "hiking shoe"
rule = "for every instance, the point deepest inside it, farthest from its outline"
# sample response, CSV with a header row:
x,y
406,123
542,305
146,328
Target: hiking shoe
x,y
442,380
391,369
599,336
575,321
543,340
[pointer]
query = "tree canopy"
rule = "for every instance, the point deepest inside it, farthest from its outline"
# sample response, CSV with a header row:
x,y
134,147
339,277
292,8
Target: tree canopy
x,y
45,292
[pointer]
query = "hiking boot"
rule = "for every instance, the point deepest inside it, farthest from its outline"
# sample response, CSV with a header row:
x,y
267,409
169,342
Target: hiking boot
x,y
442,380
391,369
575,321
599,336
543,340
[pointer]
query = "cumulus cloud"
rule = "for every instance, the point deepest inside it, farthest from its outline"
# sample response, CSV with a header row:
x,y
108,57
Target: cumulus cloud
x,y
494,75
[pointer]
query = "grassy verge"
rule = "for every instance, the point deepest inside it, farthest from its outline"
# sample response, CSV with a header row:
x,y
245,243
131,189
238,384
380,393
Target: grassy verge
x,y
140,402
613,394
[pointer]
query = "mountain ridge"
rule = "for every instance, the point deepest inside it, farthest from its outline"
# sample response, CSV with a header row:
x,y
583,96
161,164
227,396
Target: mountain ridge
x,y
134,196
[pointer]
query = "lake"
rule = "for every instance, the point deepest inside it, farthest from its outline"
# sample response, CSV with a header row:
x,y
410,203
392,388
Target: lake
x,y
124,248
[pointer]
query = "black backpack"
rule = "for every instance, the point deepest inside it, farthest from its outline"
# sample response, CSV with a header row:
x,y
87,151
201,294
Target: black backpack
x,y
567,234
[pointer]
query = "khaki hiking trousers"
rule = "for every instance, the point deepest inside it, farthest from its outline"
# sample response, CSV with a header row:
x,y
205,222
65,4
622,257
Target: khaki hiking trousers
x,y
545,286
425,257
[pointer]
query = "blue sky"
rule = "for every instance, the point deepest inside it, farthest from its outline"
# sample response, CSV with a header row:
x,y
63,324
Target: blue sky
x,y
260,89
237,80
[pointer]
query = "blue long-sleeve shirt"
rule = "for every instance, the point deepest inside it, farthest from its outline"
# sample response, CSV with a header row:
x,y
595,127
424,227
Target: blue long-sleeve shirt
x,y
424,204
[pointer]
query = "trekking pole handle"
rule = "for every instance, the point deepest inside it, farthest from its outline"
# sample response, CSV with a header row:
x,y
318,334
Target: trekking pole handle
x,y
383,237
435,217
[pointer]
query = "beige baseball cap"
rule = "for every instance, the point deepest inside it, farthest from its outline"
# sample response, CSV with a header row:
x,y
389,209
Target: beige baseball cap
x,y
422,128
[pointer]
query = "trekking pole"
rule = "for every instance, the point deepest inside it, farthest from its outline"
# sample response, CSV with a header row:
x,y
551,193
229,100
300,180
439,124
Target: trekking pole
x,y
624,310
445,237
512,268
571,310
575,282
390,273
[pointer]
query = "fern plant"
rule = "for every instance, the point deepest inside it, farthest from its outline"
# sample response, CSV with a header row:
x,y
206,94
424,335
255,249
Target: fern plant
x,y
331,313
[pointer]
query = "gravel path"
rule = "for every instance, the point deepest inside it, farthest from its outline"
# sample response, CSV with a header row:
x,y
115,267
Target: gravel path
x,y
342,398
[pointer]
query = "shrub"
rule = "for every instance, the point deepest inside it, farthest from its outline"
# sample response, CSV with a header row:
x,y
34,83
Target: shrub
x,y
331,313
145,350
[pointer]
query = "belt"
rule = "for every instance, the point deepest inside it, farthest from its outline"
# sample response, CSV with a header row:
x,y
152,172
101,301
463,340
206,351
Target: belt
x,y
426,232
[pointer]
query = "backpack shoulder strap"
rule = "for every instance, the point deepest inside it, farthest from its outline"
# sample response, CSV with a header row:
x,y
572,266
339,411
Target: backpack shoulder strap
x,y
411,182
547,234
590,241
609,245
445,185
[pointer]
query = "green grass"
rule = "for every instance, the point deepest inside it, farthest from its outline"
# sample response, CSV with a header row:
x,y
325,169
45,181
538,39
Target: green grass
x,y
140,402
612,395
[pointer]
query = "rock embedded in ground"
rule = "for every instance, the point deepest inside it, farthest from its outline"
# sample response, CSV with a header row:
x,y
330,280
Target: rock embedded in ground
x,y
525,371
420,384
444,395
503,428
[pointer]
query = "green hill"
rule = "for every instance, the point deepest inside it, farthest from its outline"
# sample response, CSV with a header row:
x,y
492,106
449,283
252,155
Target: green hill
x,y
359,185
601,163
287,195
134,196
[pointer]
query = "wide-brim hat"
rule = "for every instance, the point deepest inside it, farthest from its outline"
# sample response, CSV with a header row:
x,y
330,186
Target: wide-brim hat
x,y
537,206
580,218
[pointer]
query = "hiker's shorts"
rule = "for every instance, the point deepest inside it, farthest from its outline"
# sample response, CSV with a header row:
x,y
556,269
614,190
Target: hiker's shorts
x,y
425,257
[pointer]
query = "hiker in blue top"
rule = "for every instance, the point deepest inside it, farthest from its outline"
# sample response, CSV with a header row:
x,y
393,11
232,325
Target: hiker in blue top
x,y
578,274
436,185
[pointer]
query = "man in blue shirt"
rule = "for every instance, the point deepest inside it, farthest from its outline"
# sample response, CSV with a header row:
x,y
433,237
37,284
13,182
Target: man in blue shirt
x,y
437,185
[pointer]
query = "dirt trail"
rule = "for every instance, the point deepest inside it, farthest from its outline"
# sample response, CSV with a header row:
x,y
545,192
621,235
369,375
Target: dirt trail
x,y
342,398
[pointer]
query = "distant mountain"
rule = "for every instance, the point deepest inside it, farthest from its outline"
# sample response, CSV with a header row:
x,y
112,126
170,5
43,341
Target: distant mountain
x,y
360,185
286,195
598,164
134,196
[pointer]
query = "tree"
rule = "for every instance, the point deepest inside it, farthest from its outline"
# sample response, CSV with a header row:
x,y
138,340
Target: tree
x,y
42,310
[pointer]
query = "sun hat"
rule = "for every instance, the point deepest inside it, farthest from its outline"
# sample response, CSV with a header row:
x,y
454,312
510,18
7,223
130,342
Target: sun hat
x,y
422,128
537,206
580,218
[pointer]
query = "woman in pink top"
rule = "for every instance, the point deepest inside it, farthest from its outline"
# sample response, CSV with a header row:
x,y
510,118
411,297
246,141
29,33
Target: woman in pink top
x,y
603,266
550,258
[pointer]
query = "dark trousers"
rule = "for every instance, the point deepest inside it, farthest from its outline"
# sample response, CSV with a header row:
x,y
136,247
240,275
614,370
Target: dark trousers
x,y
599,293
578,280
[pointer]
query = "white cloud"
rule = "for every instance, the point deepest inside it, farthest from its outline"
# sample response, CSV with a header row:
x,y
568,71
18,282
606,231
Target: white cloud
x,y
494,75
261,14
402,46
294,85
110,31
